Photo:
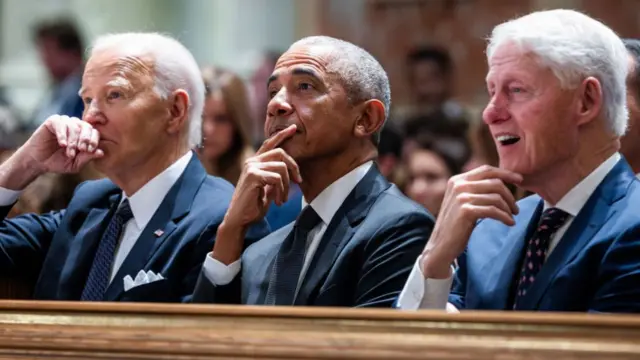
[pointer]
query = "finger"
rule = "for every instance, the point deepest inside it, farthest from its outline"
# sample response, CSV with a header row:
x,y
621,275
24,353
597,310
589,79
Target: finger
x,y
280,168
273,142
58,127
268,178
73,134
490,186
85,136
84,157
489,172
486,200
489,212
94,141
281,155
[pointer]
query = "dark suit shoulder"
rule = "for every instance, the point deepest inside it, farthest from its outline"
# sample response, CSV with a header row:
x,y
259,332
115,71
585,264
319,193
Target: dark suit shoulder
x,y
393,204
93,192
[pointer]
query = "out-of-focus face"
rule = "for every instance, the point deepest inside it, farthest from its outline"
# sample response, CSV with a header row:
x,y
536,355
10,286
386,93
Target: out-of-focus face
x,y
217,128
304,93
117,91
531,118
630,143
427,179
57,61
430,85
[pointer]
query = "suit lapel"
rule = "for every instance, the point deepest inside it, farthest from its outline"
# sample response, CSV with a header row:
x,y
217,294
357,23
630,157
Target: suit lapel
x,y
83,248
507,262
174,207
596,211
340,230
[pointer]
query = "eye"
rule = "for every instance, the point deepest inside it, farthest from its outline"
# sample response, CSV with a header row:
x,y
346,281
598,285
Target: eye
x,y
305,86
516,90
87,100
113,95
272,93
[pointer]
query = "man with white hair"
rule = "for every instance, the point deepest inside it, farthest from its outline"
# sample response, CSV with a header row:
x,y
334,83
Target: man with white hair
x,y
134,236
355,242
557,111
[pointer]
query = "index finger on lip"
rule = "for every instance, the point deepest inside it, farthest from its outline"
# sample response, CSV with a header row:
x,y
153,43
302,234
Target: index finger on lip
x,y
277,139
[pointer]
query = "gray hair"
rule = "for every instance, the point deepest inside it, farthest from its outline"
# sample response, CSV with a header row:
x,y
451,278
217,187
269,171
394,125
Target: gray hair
x,y
175,68
574,46
360,73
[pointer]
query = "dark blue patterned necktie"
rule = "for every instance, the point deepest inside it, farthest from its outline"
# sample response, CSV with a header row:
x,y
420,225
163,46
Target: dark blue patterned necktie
x,y
98,278
552,219
288,265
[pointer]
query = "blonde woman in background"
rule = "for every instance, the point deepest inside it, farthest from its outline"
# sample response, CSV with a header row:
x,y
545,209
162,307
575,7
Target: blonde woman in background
x,y
225,123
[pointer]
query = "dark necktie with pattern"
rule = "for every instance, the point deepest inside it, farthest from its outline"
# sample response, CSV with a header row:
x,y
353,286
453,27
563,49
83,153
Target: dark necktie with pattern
x,y
552,219
290,259
98,278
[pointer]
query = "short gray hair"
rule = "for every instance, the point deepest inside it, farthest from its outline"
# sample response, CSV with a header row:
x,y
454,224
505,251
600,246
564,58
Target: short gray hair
x,y
574,46
360,73
175,68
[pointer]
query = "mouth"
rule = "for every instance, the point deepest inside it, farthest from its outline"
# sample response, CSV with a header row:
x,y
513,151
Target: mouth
x,y
507,139
278,128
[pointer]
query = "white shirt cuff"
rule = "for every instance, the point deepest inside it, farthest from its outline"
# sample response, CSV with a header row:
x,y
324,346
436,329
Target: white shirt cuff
x,y
421,293
8,197
218,273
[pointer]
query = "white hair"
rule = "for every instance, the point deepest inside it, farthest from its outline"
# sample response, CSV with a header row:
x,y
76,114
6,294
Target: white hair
x,y
574,46
174,66
361,74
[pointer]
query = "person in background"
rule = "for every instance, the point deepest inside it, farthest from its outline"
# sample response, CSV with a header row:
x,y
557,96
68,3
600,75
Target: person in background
x,y
631,140
61,49
226,118
390,153
353,244
557,111
260,96
428,169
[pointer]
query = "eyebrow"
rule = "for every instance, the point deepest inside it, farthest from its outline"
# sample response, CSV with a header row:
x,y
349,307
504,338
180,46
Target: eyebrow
x,y
296,72
117,83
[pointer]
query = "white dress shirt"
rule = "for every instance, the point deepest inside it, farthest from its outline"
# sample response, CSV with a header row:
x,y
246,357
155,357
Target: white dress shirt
x,y
326,204
144,204
424,293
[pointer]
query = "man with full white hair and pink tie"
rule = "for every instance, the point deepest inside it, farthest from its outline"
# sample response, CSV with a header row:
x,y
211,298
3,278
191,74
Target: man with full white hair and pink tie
x,y
134,236
557,110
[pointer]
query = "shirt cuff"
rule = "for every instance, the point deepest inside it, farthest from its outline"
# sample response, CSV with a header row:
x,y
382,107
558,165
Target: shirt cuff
x,y
218,273
8,197
421,293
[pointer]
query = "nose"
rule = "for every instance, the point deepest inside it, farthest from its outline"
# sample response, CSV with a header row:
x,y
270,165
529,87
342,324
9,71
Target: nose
x,y
497,110
93,114
279,105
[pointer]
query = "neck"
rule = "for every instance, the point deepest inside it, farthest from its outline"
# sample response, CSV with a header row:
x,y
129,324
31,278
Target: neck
x,y
135,177
318,174
554,183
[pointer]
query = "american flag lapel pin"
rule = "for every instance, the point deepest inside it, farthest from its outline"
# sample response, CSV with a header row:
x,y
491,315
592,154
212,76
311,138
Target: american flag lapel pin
x,y
158,232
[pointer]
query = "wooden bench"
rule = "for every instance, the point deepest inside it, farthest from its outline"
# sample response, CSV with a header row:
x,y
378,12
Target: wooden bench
x,y
63,330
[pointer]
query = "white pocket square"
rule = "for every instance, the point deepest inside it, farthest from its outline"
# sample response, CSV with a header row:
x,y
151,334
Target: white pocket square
x,y
141,279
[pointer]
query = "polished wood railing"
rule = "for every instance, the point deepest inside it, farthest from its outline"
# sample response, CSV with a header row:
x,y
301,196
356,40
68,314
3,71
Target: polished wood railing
x,y
62,330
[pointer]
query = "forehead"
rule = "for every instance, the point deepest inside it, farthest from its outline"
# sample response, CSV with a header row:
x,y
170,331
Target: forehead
x,y
313,57
109,64
508,61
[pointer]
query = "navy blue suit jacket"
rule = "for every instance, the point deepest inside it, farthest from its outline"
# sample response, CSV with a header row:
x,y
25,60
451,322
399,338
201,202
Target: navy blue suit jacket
x,y
595,266
58,247
363,259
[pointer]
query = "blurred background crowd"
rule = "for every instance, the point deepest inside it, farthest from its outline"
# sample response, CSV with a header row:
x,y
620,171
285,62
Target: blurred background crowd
x,y
433,51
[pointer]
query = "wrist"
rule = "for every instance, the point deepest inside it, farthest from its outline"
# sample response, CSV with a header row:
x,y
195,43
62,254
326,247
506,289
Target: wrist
x,y
434,266
229,243
17,172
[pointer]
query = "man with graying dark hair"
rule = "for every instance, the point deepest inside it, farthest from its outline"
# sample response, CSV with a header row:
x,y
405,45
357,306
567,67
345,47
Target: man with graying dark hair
x,y
354,241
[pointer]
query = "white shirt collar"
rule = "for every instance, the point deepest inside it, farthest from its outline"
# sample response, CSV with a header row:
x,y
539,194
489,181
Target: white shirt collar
x,y
146,201
330,199
573,201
